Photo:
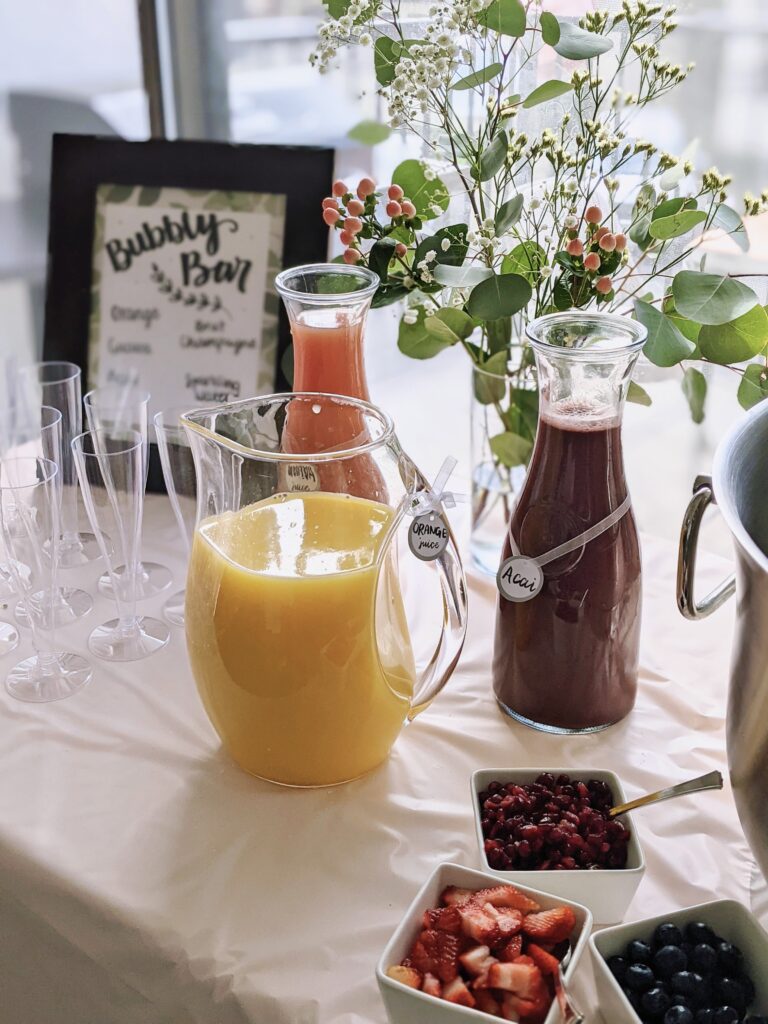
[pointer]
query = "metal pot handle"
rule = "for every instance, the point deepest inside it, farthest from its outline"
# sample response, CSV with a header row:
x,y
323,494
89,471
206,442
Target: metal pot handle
x,y
703,497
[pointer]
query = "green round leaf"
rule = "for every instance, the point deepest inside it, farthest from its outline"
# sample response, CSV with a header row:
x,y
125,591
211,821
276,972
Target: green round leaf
x,y
499,296
489,380
450,325
498,334
710,298
461,277
493,157
511,449
507,17
754,386
455,235
508,214
550,28
695,390
369,133
672,206
547,91
729,221
386,56
380,257
737,341
526,259
337,8
424,195
665,345
416,341
577,44
637,394
678,224
478,77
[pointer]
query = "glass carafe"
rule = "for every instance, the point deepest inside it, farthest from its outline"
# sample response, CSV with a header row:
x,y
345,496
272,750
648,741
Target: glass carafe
x,y
327,306
295,614
566,660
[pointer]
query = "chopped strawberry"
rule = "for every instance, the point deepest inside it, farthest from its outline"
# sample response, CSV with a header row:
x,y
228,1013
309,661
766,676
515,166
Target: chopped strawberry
x,y
487,1003
431,985
436,953
478,924
405,975
457,992
477,960
507,896
445,919
453,896
546,963
522,979
528,1011
509,921
512,950
508,1009
553,925
529,961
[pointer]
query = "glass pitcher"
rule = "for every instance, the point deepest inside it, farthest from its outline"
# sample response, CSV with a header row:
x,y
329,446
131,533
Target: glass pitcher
x,y
296,623
566,658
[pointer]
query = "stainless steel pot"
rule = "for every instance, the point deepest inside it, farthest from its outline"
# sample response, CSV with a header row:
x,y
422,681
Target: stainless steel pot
x,y
739,486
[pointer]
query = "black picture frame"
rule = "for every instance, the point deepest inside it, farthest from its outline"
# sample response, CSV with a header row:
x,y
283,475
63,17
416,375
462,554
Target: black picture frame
x,y
80,163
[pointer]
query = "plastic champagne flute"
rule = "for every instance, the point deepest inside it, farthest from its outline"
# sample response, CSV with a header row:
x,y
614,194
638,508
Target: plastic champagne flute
x,y
58,384
29,524
115,409
181,484
111,474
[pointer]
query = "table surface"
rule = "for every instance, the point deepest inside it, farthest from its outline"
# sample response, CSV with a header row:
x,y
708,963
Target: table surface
x,y
144,878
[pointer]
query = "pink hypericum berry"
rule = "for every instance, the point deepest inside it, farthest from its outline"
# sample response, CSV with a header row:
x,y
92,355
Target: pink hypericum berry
x,y
395,192
329,201
401,249
608,242
603,285
366,188
394,209
621,242
346,237
591,261
339,189
575,247
593,215
330,216
602,230
355,207
409,210
352,256
353,225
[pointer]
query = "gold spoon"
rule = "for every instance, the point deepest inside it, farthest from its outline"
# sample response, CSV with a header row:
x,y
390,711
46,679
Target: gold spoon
x,y
713,780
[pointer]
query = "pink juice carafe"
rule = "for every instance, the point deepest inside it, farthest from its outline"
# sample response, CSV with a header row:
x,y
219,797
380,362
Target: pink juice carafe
x,y
566,659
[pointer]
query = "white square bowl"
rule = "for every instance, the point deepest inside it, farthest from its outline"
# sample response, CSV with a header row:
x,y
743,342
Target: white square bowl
x,y
406,1005
728,918
607,892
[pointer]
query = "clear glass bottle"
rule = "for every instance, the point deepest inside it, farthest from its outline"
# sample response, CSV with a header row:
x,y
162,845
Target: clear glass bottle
x,y
567,660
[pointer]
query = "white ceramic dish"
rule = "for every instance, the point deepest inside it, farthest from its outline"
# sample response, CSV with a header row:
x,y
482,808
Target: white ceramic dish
x,y
727,918
406,1005
607,892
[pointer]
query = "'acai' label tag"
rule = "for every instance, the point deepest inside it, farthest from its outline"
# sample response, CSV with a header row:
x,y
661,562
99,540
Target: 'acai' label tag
x,y
519,578
299,476
428,536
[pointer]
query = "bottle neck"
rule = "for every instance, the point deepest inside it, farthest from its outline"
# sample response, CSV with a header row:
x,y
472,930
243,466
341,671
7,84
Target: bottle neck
x,y
328,351
579,394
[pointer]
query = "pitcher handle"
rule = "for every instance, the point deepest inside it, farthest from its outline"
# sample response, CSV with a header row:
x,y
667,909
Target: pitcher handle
x,y
446,655
703,497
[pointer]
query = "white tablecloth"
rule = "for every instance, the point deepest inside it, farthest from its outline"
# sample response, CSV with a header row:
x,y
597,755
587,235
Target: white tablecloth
x,y
144,878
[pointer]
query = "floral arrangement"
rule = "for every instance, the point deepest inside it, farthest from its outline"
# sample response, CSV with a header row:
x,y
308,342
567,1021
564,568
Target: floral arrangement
x,y
562,207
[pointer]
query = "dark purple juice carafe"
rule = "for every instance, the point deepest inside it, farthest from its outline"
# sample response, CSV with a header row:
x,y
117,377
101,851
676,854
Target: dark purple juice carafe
x,y
567,660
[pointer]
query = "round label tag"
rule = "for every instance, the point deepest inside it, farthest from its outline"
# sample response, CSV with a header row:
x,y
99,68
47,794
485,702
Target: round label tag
x,y
299,476
519,578
428,536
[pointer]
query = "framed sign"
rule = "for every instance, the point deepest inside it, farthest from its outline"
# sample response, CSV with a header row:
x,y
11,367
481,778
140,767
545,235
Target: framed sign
x,y
162,258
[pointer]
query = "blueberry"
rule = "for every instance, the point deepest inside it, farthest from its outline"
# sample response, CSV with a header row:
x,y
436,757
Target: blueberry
x,y
726,1015
703,958
729,958
669,960
704,1016
656,1001
617,965
678,1015
639,978
730,992
667,934
636,1001
697,931
639,952
749,990
689,983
